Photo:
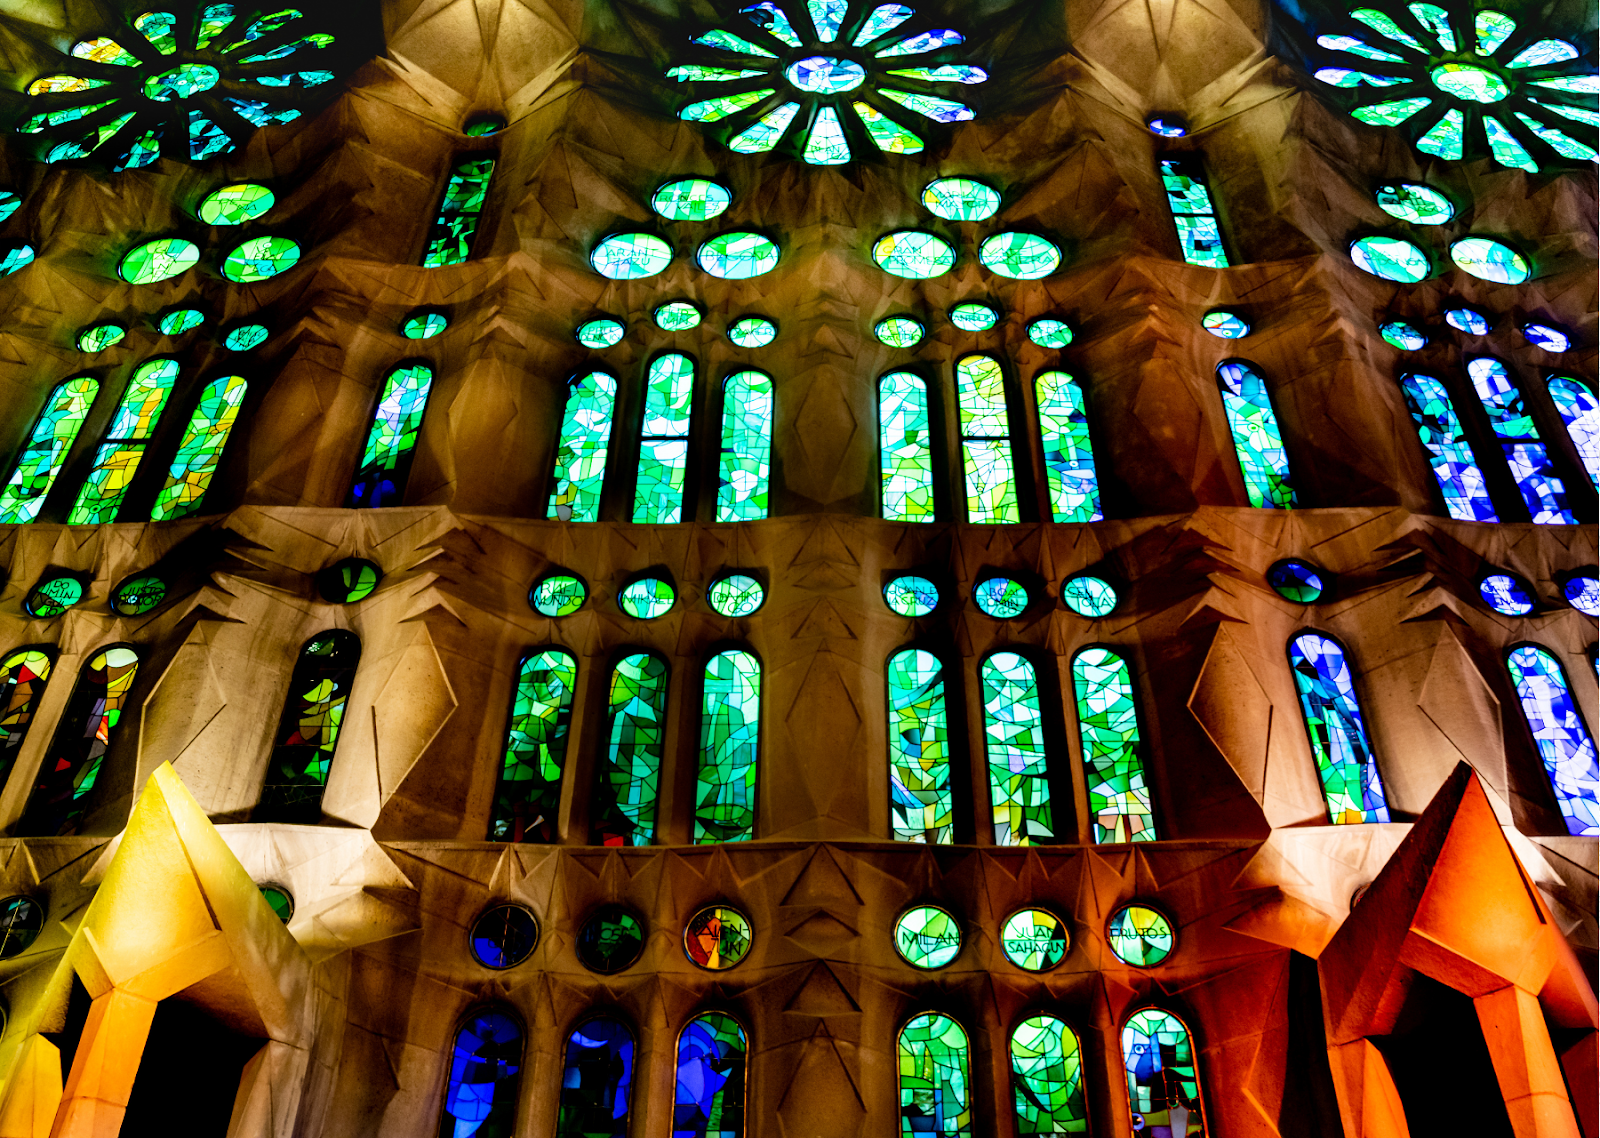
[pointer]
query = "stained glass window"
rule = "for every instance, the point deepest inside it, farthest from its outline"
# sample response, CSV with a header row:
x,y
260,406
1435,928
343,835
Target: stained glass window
x,y
935,1078
746,457
1543,491
23,675
602,333
235,204
647,598
1580,411
158,260
313,712
911,596
137,595
597,1081
735,595
677,316
503,936
1140,935
1068,455
1468,320
1414,202
709,1102
611,940
450,239
752,331
737,256
927,936
201,449
21,922
920,806
1113,754
1225,325
899,331
904,451
630,256
1199,234
1256,439
1163,1083
86,731
99,337
718,937
53,594
664,445
1013,728
348,580
691,199
960,199
1406,337
528,794
117,458
1466,497
558,595
914,254
181,320
1559,732
1507,594
1490,260
1390,258
245,337
46,449
1547,337
480,1097
1047,1078
1021,256
1296,580
629,767
1582,591
279,900
392,441
1000,597
1048,332
730,726
261,258
1090,596
1035,940
986,441
581,452
1346,765
972,316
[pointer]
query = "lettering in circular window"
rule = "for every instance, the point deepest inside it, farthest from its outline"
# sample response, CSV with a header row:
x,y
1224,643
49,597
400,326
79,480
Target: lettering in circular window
x,y
1035,940
558,595
1140,936
927,937
504,936
718,937
611,940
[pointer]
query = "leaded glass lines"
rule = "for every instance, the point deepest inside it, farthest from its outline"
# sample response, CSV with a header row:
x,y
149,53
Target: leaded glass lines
x,y
117,459
986,441
1466,495
84,734
450,240
920,804
628,773
730,725
1580,411
480,1097
201,449
1047,1078
904,450
392,440
1113,754
709,1096
581,451
596,1081
308,733
46,449
1257,442
529,791
1068,456
1163,1082
23,675
1199,234
1564,742
745,463
1543,491
1346,765
1013,727
664,440
935,1078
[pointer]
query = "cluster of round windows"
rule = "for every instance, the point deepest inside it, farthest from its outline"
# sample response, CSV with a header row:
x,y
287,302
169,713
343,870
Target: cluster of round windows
x,y
612,938
1035,940
1002,597
738,255
1510,595
1396,259
256,259
56,592
905,331
678,316
646,598
1473,321
238,338
919,255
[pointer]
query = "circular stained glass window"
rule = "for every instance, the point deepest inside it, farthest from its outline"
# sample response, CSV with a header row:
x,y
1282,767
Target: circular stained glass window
x,y
181,320
899,332
560,595
245,337
1167,127
348,581
927,936
911,596
1399,334
676,316
504,936
974,317
21,921
1093,597
735,595
610,940
1048,332
752,331
1468,320
825,74
1224,324
647,598
139,594
1035,940
53,596
691,199
424,325
100,337
1418,204
484,126
1296,581
1001,597
158,260
1022,256
1390,258
1507,594
1470,83
960,199
630,256
260,259
235,204
1545,336
738,256
279,900
1490,260
1582,591
718,937
603,333
913,254
1140,936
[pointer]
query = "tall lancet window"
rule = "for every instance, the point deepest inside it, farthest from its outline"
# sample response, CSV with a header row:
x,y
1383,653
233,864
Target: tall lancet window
x,y
392,439
986,441
1256,439
920,805
628,775
664,441
1558,730
455,228
580,470
201,449
529,791
1580,411
308,733
1199,232
730,727
1346,766
1068,455
116,460
46,449
745,464
1466,496
1013,727
905,454
1543,491
72,766
1113,754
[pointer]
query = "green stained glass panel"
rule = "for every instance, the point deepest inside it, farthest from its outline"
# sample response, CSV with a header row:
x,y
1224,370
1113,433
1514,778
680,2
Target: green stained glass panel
x,y
752,331
309,730
1257,441
558,596
1000,597
1469,83
1225,325
1019,774
929,106
1023,256
1399,334
1344,77
727,41
647,598
1493,29
826,144
100,337
927,937
765,132
1561,143
261,258
1047,1078
1035,940
1445,138
1543,54
1346,764
235,204
960,199
158,260
1357,47
1390,258
1049,332
181,320
730,722
16,258
528,794
424,325
1140,936
1505,147
245,337
735,595
456,225
581,451
1418,204
1068,455
974,317
745,462
886,134
883,20
911,596
1192,211
676,316
905,448
935,1078
698,73
138,595
737,256
629,769
1089,596
604,333
392,440
691,199
914,254
773,18
1391,113
196,461
664,442
948,73
53,596
719,108
117,459
1385,25
899,332
923,42
214,20
1490,260
985,443
102,49
1163,1085
1113,754
920,805
9,204
825,74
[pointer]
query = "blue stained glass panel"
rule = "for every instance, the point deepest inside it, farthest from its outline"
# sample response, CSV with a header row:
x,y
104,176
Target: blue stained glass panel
x,y
1068,455
1564,742
1543,491
1466,497
596,1081
485,1073
1583,593
1346,765
709,1102
1199,233
1580,411
1256,439
1163,1080
1506,594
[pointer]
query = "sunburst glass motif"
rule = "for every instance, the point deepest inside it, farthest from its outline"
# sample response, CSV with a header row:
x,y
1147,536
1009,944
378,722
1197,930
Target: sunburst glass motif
x,y
843,77
141,93
1498,87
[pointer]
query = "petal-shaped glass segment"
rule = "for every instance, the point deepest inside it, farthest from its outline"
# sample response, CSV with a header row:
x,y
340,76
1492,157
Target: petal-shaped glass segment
x,y
826,144
727,41
699,73
691,199
929,106
1344,77
1543,54
773,18
1507,150
737,256
1492,30
960,199
764,134
1022,256
913,253
886,134
1414,202
1390,258
1385,25
630,256
1490,260
1446,137
826,17
1394,111
945,73
713,110
1437,21
926,42
883,20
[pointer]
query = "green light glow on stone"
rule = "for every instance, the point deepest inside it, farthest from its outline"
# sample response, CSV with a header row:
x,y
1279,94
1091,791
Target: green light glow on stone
x,y
913,254
825,75
631,256
884,19
691,199
100,337
647,598
158,260
424,325
960,199
886,134
1469,82
738,256
1390,258
1048,332
603,333
261,258
735,595
676,316
1490,260
182,81
974,317
927,937
558,596
752,331
1418,204
236,204
899,332
1022,256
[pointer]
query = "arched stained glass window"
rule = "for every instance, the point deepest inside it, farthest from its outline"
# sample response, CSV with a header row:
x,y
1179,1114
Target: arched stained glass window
x,y
710,1096
920,805
117,459
1068,456
581,453
596,1081
529,791
1543,491
1580,411
1163,1081
1564,741
392,441
46,449
71,766
1013,728
1346,765
627,777
935,1079
1113,755
1466,497
480,1097
1199,234
904,453
986,441
1256,439
664,441
1047,1078
201,449
23,675
730,726
297,773
746,463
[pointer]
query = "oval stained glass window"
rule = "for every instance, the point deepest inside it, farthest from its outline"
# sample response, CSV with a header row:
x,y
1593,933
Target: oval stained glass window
x,y
424,325
735,595
9,204
960,199
504,936
1022,256
752,331
16,258
100,337
1468,320
927,937
1035,940
53,596
1418,204
1582,591
1545,336
691,199
630,256
676,316
911,596
1295,580
1167,126
279,900
139,594
899,332
974,317
1490,260
1140,936
718,937
738,256
181,320
1048,332
1399,334
348,581
1090,596
1000,597
610,940
1507,594
158,260
1391,259
647,598
602,333
260,259
913,254
21,921
1224,325
235,204
560,595
245,337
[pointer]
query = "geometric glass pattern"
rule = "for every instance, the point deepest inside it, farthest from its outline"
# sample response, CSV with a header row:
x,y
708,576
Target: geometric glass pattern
x,y
1507,594
1580,411
297,773
709,1102
974,317
935,1083
1049,332
647,598
600,333
746,447
280,901
1089,596
664,442
581,451
1548,338
737,256
1257,441
691,199
503,936
752,332
1414,203
1198,232
558,596
450,240
718,937
118,457
911,596
1068,457
391,443
135,596
1013,726
899,331
46,449
920,804
1035,940
905,456
629,767
960,199
348,580
1466,497
261,258
201,449
725,790
597,1081
23,675
1543,491
1000,597
1563,740
913,254
735,595
1294,580
529,789
1399,334
71,766
480,1097
927,937
1163,1083
1582,591
610,940
1346,766
53,595
21,922
1224,325
986,441
1468,320
1021,256
1490,260
1047,1078
235,204
1390,259
1140,936
1113,755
